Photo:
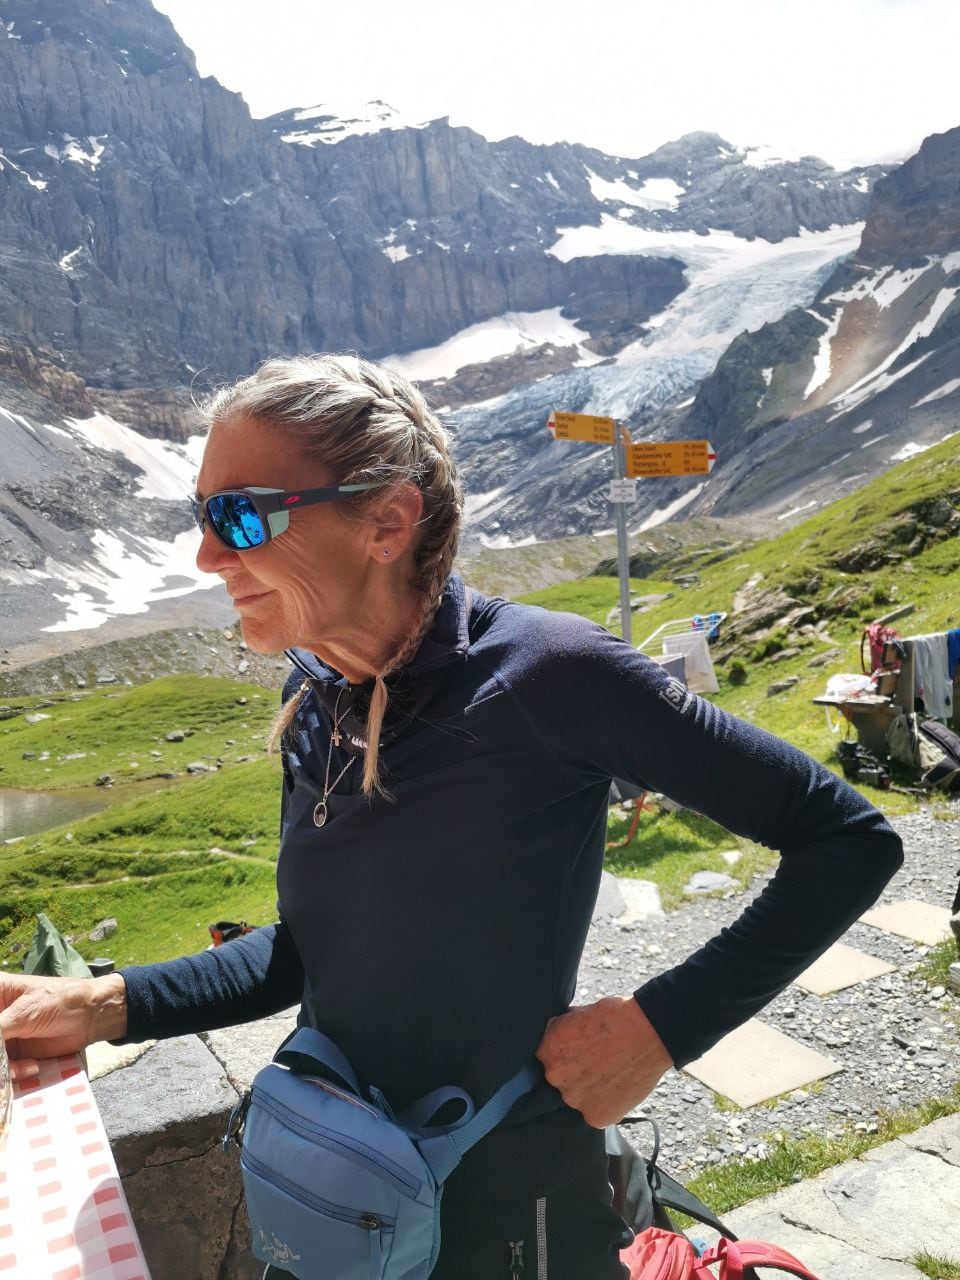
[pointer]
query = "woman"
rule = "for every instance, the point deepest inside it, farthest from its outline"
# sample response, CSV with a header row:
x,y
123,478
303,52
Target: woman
x,y
446,762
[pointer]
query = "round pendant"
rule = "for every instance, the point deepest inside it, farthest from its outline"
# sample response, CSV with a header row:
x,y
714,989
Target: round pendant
x,y
320,813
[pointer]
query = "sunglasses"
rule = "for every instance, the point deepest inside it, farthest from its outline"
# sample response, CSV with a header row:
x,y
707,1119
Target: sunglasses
x,y
246,518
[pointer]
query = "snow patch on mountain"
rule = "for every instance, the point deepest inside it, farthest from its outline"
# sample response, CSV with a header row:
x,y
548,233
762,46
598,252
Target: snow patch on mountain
x,y
655,193
663,514
328,125
946,390
909,450
87,152
128,574
764,157
169,470
498,337
880,377
822,365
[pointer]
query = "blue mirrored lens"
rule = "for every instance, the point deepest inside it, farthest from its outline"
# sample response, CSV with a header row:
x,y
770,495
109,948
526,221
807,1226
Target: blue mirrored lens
x,y
235,519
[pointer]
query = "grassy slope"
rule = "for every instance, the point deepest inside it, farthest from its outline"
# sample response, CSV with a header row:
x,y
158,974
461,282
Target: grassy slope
x,y
117,730
165,863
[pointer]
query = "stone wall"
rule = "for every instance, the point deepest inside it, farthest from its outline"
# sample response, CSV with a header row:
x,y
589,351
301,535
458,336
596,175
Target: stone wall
x,y
166,1115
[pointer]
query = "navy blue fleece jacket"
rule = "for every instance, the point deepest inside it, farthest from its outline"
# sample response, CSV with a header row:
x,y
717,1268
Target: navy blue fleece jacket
x,y
433,936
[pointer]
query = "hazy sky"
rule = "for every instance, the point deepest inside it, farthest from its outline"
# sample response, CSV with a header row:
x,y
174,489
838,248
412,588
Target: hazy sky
x,y
850,80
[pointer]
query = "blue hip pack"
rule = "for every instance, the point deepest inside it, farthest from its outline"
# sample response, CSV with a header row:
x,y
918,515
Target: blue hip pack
x,y
335,1183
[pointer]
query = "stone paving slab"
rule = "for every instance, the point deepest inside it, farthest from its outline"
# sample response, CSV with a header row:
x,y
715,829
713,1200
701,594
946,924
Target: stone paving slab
x,y
841,967
911,918
827,1258
892,1206
756,1062
942,1139
641,899
864,1218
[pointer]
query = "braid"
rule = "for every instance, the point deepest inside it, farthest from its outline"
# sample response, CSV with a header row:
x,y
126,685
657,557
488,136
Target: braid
x,y
434,557
285,718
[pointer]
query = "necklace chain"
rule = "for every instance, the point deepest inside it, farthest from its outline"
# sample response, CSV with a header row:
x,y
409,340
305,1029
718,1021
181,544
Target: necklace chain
x,y
320,812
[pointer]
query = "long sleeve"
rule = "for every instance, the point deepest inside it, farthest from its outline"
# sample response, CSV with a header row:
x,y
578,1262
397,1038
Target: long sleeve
x,y
605,710
241,981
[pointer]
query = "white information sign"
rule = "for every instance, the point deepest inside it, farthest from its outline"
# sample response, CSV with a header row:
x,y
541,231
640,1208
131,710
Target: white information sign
x,y
623,491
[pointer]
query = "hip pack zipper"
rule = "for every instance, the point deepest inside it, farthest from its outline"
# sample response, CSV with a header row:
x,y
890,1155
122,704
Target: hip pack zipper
x,y
334,1142
369,1221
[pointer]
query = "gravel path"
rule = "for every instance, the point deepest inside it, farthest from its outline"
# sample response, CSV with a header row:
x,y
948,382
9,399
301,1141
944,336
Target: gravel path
x,y
896,1040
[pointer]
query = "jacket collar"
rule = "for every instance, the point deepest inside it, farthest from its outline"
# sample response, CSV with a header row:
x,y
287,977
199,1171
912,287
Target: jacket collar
x,y
447,639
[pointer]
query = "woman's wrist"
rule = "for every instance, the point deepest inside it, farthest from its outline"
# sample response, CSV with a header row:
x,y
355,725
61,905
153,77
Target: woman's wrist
x,y
108,1019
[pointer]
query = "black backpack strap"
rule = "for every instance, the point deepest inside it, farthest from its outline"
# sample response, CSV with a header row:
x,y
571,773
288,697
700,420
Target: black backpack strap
x,y
669,1194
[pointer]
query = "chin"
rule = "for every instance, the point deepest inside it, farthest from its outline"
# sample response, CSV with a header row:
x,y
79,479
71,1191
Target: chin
x,y
259,639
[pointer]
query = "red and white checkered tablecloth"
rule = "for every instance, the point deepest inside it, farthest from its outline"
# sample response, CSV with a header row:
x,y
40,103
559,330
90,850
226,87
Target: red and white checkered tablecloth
x,y
63,1214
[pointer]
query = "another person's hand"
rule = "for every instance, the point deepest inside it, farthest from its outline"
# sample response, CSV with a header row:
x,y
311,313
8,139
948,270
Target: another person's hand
x,y
604,1058
47,1017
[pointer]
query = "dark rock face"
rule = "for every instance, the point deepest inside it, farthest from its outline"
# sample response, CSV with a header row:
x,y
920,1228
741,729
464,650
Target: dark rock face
x,y
916,209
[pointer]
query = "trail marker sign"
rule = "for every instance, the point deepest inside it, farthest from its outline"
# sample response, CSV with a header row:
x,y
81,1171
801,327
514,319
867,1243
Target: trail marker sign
x,y
582,426
671,458
623,491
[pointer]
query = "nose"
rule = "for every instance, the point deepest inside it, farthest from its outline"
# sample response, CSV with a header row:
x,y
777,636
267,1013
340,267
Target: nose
x,y
212,555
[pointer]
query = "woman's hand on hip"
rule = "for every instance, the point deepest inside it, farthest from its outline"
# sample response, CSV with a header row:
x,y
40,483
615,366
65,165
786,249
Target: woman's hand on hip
x,y
604,1058
48,1017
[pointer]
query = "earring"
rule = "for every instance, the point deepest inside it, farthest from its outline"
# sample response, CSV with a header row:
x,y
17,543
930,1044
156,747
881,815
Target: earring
x,y
386,551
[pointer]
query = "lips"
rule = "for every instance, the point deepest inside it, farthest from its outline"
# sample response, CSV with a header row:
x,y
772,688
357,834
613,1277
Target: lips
x,y
238,600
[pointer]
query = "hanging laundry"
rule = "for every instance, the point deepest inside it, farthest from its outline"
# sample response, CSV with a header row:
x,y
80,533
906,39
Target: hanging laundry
x,y
932,682
701,677
953,651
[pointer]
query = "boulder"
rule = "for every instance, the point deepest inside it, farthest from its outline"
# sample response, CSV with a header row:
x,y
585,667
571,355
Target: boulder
x,y
781,686
105,929
821,660
708,882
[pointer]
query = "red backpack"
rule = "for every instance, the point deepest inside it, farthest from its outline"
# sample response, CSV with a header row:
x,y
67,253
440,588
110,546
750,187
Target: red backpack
x,y
876,636
664,1255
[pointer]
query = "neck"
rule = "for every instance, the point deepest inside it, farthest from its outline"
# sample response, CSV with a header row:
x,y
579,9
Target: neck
x,y
368,644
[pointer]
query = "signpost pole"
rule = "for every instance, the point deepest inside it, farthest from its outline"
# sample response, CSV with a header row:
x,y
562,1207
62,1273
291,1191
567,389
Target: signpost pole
x,y
623,548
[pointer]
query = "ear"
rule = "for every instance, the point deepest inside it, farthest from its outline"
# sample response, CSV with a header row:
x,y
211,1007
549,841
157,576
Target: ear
x,y
395,516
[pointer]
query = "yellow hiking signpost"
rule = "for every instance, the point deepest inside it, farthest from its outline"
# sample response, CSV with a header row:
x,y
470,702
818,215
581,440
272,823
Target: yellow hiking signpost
x,y
582,426
631,462
670,458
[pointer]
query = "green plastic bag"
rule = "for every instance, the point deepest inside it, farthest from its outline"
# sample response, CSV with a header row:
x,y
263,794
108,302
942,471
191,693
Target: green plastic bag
x,y
51,956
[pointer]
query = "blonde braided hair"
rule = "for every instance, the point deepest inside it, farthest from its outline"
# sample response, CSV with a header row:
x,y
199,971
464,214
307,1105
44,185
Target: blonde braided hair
x,y
364,423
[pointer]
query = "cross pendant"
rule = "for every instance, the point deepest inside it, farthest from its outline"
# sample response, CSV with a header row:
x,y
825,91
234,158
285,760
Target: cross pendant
x,y
336,736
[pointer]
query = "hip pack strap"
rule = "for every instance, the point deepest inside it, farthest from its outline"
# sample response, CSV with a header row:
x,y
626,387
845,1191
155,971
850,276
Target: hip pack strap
x,y
444,1152
309,1052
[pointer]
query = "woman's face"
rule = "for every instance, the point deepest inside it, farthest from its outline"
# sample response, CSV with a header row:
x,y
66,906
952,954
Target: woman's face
x,y
298,588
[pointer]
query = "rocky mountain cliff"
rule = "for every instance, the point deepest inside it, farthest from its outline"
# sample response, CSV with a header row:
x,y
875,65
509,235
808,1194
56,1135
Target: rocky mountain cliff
x,y
153,236
150,228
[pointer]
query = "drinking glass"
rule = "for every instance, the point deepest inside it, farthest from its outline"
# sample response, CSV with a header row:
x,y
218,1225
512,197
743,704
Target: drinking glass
x,y
6,1095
